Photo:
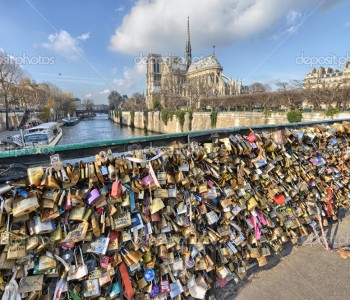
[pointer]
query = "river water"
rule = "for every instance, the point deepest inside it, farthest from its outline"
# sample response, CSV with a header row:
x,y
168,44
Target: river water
x,y
99,128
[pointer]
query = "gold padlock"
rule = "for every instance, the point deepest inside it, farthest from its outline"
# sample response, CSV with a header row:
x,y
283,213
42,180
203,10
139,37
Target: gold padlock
x,y
25,206
95,226
46,263
141,282
251,203
57,234
77,214
35,175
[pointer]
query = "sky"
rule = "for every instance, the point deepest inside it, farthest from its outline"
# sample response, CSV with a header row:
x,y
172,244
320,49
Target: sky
x,y
91,47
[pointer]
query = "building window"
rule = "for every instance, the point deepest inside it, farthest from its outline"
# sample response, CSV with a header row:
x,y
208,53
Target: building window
x,y
157,78
156,68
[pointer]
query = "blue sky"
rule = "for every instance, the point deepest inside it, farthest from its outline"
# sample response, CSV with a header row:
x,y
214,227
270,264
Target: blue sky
x,y
91,47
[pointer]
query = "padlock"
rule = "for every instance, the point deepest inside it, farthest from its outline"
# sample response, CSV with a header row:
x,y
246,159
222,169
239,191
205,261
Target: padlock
x,y
93,196
95,226
43,227
49,214
141,282
35,175
52,182
77,214
91,288
26,206
56,235
46,263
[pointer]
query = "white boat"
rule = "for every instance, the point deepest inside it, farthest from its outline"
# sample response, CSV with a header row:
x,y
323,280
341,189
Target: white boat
x,y
70,121
44,135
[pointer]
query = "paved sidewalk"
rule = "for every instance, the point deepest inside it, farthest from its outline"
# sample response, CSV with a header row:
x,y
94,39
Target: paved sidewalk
x,y
303,272
7,133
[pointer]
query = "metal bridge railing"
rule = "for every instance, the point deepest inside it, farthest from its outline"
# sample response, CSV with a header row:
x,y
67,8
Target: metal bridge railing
x,y
37,156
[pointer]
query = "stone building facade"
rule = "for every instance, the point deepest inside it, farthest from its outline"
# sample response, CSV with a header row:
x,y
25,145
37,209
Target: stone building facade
x,y
328,78
175,76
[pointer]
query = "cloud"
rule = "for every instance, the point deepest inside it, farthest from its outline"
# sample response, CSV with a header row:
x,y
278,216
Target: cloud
x,y
87,96
114,71
63,44
104,92
84,36
293,23
120,8
347,24
160,25
293,16
133,79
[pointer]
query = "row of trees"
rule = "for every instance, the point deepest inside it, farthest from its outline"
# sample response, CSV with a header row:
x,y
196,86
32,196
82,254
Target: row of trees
x,y
289,95
286,95
117,101
17,90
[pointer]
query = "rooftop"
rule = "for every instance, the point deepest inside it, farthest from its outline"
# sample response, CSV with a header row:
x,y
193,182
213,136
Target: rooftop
x,y
205,63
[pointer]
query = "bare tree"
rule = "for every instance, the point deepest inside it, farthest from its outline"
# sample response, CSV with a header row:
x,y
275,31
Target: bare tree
x,y
201,93
115,100
172,90
138,98
285,89
258,87
10,74
137,101
89,104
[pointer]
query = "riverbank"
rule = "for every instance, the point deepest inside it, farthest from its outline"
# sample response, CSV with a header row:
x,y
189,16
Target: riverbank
x,y
92,129
14,120
156,122
6,136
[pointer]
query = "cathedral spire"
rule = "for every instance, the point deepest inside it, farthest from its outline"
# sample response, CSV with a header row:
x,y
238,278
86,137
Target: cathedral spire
x,y
188,44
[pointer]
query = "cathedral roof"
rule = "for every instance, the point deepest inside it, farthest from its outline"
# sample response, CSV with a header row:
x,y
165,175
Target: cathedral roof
x,y
209,62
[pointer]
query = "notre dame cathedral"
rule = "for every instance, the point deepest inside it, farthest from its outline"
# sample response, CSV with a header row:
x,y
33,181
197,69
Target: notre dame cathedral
x,y
174,76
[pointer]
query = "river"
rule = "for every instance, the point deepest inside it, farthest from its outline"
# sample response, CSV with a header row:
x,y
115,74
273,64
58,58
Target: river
x,y
99,128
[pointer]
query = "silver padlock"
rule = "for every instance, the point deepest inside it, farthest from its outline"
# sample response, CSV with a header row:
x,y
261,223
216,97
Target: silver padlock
x,y
42,227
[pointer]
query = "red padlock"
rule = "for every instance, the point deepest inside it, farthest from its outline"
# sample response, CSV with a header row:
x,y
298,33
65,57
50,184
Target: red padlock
x,y
116,189
279,199
104,262
251,138
164,286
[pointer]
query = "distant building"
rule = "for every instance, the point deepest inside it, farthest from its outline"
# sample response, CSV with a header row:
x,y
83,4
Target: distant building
x,y
77,101
328,78
175,76
100,107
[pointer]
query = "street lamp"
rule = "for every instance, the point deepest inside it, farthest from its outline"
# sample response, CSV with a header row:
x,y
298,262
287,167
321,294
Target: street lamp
x,y
52,113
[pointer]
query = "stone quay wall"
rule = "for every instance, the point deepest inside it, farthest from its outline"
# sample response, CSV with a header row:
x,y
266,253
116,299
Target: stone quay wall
x,y
14,119
152,121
